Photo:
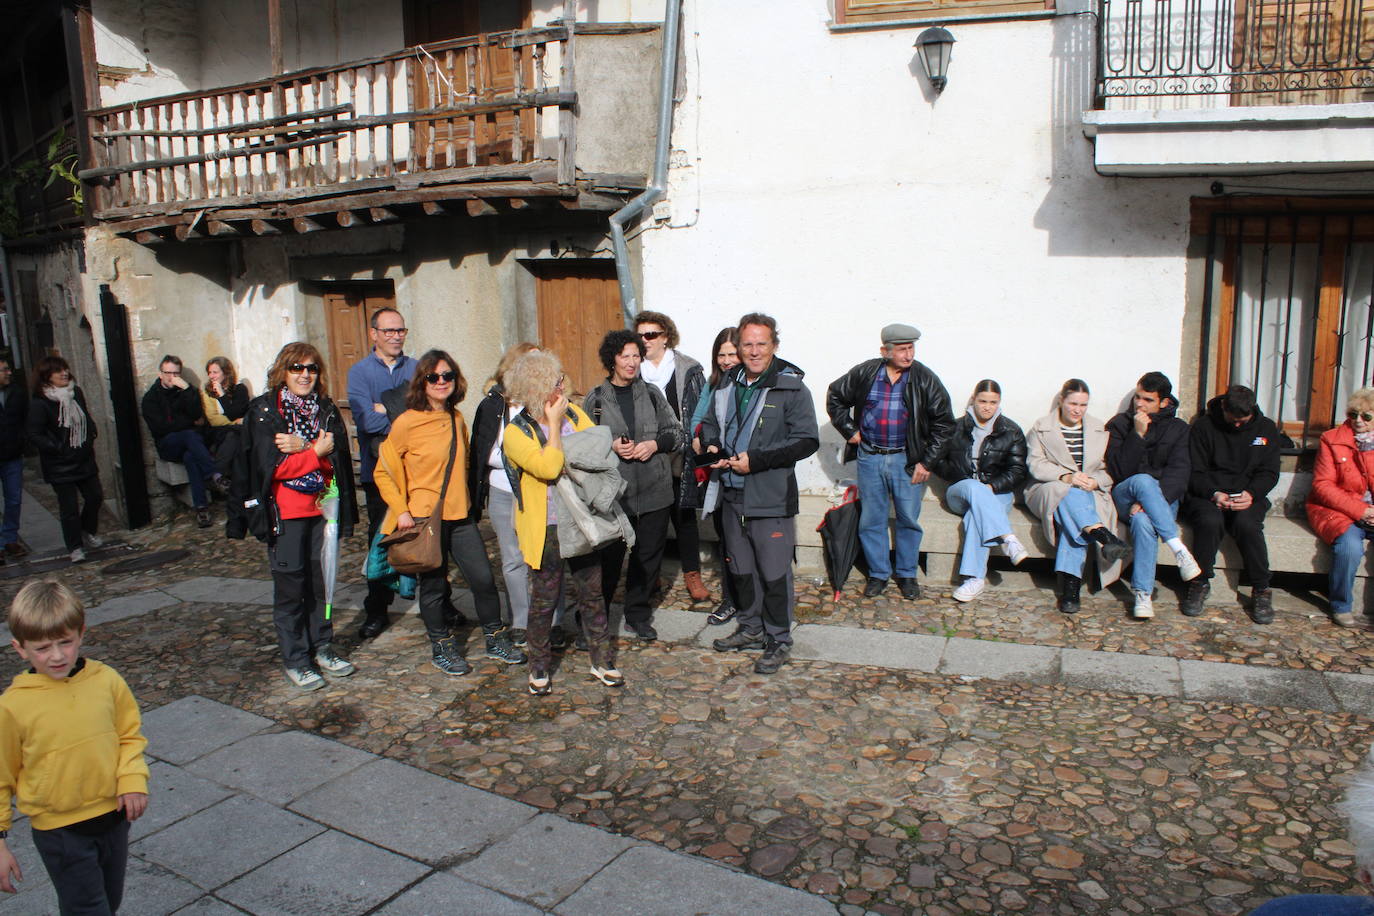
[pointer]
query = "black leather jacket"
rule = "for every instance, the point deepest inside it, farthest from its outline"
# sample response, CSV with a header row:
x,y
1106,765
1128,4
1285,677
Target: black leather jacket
x,y
927,403
1002,464
60,460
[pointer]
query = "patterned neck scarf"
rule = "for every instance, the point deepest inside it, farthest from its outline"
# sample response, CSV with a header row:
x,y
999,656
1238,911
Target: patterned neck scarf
x,y
302,417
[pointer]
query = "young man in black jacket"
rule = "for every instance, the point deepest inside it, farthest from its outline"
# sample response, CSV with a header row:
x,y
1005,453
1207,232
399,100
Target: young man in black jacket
x,y
1235,459
1147,456
174,414
14,416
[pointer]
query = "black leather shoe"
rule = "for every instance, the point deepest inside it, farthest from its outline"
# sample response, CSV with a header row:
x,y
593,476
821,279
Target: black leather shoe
x,y
644,630
1262,607
909,588
1194,598
372,627
874,587
1069,589
774,657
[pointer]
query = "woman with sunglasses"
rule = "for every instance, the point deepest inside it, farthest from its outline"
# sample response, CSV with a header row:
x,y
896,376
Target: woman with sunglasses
x,y
295,444
425,440
724,357
61,429
1340,507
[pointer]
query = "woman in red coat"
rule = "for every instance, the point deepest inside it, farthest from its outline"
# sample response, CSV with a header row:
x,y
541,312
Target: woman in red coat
x,y
1340,507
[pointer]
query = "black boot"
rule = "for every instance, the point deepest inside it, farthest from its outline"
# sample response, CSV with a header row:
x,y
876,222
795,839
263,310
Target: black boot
x,y
1068,593
499,645
448,657
1113,548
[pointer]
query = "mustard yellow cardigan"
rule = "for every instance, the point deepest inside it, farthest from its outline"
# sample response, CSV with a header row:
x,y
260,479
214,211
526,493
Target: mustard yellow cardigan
x,y
410,467
541,466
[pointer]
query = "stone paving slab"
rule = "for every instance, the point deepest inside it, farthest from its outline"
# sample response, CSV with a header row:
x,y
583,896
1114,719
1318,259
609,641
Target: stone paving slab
x,y
1353,692
647,880
219,589
1000,660
178,795
857,646
545,860
279,767
226,840
331,874
672,625
129,606
443,893
1121,671
193,726
209,906
413,812
151,890
1298,688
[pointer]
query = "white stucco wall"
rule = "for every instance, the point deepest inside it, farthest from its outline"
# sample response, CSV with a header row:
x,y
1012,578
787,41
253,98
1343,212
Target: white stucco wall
x,y
816,178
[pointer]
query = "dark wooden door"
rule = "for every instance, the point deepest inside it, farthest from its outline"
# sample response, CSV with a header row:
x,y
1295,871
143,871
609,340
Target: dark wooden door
x,y
578,302
347,310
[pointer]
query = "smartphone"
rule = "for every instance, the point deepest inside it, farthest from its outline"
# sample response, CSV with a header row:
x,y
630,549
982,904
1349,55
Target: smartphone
x,y
1235,496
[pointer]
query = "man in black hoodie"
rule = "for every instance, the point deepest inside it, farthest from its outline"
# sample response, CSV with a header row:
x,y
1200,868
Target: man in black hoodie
x,y
174,414
1235,459
1147,456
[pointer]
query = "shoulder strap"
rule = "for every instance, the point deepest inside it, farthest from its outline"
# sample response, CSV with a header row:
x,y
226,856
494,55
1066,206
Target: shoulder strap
x,y
452,456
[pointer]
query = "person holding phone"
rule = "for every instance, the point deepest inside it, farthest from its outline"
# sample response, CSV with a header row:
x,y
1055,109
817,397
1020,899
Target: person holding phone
x,y
1235,456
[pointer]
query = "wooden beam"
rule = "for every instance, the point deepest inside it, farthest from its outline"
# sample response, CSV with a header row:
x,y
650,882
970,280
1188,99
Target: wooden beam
x,y
346,218
381,215
590,201
518,203
147,237
184,231
263,227
433,208
304,224
479,207
220,228
274,36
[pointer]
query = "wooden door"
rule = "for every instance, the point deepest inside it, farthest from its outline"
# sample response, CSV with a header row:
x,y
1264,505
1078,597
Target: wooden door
x,y
578,301
347,311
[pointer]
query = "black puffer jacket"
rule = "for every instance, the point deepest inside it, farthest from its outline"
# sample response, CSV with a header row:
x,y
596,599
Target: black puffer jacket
x,y
1002,464
926,400
61,461
487,423
1162,452
251,507
171,410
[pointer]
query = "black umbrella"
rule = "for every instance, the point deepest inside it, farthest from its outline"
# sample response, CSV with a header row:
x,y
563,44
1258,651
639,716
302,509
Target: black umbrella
x,y
840,539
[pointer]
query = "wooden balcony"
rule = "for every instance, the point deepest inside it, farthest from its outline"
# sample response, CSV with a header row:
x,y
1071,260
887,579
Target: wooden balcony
x,y
474,124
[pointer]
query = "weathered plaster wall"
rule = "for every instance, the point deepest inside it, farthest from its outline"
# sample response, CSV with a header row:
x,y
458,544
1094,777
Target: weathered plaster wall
x,y
617,78
146,48
815,177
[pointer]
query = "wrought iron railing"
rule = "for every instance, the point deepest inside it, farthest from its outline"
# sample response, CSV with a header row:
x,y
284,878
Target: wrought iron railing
x,y
1256,51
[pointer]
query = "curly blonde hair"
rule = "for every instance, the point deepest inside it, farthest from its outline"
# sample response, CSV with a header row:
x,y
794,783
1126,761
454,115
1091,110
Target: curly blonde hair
x,y
532,378
1361,399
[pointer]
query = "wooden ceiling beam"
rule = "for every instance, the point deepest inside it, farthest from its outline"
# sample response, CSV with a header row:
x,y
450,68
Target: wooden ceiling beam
x,y
382,215
263,227
479,207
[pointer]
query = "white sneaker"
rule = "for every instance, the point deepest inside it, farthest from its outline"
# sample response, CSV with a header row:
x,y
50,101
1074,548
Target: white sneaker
x,y
93,541
78,555
1144,606
1187,566
971,589
330,663
305,678
1014,549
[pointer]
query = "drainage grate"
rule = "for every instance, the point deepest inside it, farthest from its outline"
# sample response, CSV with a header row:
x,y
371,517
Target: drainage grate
x,y
145,561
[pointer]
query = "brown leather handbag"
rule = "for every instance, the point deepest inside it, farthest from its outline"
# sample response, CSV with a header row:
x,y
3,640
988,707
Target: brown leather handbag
x,y
420,549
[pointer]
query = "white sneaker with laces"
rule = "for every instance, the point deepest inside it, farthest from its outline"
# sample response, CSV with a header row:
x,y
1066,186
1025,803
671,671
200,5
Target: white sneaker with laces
x,y
971,589
305,678
1187,566
1144,606
93,541
1014,549
78,555
330,663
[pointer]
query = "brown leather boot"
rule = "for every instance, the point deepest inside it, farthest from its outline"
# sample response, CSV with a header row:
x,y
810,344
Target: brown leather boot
x,y
695,587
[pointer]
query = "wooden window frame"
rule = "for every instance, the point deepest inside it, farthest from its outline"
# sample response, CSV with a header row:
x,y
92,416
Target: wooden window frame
x,y
863,12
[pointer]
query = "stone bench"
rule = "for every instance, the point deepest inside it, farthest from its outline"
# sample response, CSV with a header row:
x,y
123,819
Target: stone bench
x,y
173,474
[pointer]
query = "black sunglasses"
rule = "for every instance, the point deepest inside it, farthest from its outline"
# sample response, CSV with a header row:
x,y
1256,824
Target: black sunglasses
x,y
434,377
297,368
652,335
1355,414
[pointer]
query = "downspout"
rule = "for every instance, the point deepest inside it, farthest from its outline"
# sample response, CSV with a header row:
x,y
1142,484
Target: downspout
x,y
658,182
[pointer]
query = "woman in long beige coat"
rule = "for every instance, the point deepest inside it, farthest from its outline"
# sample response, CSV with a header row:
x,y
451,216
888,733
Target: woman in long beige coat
x,y
1071,491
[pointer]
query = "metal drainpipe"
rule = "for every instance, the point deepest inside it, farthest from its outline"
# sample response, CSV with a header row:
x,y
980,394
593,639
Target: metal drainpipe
x,y
658,182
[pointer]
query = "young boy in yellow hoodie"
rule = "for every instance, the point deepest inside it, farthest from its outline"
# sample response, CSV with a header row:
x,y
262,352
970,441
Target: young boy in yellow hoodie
x,y
71,751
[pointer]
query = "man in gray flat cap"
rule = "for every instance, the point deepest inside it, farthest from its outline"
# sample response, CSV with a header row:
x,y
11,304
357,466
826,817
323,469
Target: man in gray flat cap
x,y
895,415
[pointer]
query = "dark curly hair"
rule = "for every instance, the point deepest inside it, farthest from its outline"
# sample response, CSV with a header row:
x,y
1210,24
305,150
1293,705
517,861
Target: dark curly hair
x,y
416,399
613,343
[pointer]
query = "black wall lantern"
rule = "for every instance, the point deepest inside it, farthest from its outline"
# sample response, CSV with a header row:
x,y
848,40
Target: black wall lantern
x,y
933,47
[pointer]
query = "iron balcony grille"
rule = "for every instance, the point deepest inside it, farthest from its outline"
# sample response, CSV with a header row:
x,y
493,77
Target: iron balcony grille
x,y
1266,52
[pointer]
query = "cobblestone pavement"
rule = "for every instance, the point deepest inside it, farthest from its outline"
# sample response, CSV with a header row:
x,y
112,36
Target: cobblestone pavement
x,y
886,791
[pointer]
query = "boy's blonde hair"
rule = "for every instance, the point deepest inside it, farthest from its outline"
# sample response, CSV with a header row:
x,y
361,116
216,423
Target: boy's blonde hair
x,y
45,609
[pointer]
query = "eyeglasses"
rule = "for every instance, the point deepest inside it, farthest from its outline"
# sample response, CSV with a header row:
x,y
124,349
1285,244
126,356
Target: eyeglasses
x,y
561,379
298,368
392,332
1357,415
651,335
170,371
434,377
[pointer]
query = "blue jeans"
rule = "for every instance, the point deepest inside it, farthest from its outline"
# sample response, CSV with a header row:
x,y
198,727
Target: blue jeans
x,y
186,446
986,522
1157,521
1346,554
883,485
1316,905
12,480
1076,511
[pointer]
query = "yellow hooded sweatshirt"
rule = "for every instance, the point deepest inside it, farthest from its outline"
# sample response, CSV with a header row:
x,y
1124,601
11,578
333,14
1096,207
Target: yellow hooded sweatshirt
x,y
69,748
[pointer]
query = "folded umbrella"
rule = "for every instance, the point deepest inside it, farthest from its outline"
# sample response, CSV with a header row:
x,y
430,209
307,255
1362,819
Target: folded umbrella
x,y
839,530
329,550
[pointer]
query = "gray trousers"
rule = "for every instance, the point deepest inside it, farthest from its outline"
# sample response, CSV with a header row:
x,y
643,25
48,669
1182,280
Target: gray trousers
x,y
760,553
501,511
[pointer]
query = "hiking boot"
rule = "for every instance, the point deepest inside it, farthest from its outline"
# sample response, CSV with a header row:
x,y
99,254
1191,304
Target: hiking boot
x,y
518,637
1014,549
330,663
723,614
909,588
1194,598
1111,546
500,647
305,678
695,587
874,587
643,629
1262,605
773,658
738,641
971,589
1069,587
203,518
447,657
1144,605
1188,569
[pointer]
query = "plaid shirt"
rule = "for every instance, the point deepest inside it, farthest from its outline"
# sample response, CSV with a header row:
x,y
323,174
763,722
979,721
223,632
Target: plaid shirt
x,y
883,424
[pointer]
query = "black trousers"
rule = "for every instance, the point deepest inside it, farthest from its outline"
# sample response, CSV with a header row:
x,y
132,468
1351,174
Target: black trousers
x,y
87,869
298,591
463,542
1246,526
379,594
651,536
78,508
685,530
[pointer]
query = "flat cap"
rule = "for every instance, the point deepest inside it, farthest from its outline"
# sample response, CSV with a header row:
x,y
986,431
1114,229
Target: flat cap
x,y
900,334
